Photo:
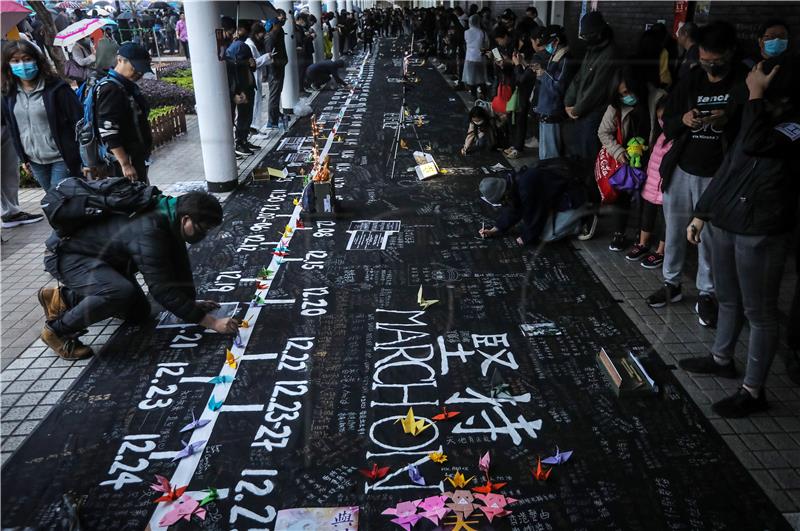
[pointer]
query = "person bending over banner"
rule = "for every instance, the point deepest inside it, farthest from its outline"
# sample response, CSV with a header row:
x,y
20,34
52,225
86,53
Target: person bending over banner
x,y
96,266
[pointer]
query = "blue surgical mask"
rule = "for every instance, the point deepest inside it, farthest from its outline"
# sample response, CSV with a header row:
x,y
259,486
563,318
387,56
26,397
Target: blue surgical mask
x,y
551,48
629,100
775,47
26,70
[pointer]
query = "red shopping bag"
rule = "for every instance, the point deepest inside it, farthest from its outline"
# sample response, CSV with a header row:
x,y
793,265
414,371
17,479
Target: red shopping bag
x,y
604,167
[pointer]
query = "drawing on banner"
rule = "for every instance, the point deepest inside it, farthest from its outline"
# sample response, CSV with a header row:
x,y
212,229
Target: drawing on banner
x,y
170,320
370,235
300,156
318,518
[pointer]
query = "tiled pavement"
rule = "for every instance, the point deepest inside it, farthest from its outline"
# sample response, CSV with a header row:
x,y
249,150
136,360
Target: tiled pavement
x,y
33,378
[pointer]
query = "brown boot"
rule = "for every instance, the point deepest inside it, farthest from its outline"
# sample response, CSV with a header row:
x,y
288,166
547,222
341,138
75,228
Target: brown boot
x,y
51,301
68,349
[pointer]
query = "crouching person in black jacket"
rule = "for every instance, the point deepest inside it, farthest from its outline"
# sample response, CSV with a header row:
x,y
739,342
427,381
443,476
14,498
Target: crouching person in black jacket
x,y
751,204
96,266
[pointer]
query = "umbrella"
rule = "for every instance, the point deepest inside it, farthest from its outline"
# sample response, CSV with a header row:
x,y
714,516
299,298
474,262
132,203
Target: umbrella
x,y
126,15
101,3
70,4
159,5
77,31
13,14
249,10
98,12
109,22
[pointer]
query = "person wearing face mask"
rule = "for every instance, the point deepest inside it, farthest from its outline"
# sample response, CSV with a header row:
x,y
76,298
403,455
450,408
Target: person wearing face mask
x,y
632,113
481,134
553,80
121,113
97,263
276,48
40,111
257,34
751,205
774,40
586,99
701,118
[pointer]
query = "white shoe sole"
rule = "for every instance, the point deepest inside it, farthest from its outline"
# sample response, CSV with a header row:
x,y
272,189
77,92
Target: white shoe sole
x,y
12,224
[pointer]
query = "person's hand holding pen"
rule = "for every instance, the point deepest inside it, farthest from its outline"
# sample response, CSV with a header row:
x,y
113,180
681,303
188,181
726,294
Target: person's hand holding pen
x,y
488,233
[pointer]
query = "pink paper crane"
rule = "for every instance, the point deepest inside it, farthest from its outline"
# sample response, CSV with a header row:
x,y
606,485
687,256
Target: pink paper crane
x,y
406,513
433,508
495,505
185,507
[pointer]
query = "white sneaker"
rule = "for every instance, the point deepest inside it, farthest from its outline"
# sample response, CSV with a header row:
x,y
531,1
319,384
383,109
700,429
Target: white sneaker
x,y
532,143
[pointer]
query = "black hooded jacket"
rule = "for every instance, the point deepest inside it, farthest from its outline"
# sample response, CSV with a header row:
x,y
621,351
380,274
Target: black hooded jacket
x,y
755,190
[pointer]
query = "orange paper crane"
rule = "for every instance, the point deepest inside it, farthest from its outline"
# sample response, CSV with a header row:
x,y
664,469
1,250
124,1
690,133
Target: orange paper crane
x,y
230,359
445,414
539,473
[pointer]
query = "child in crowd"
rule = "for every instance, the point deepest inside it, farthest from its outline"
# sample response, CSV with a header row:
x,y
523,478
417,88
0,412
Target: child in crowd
x,y
629,111
481,134
651,211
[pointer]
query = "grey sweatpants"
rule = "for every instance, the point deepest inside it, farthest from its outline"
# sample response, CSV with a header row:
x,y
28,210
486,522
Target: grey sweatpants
x,y
748,271
9,176
680,198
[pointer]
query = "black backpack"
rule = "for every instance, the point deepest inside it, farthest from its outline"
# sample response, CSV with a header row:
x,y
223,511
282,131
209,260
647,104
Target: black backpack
x,y
74,202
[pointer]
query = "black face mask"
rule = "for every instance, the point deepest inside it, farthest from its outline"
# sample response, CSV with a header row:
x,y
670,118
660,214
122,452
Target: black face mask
x,y
717,70
592,39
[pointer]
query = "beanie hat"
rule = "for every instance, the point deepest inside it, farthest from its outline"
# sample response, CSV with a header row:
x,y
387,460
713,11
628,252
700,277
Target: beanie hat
x,y
592,22
492,189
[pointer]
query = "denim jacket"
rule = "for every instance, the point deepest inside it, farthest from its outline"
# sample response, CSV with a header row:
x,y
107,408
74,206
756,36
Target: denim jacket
x,y
553,84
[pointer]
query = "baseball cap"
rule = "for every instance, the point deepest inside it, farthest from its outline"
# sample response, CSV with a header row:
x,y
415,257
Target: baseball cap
x,y
492,189
137,55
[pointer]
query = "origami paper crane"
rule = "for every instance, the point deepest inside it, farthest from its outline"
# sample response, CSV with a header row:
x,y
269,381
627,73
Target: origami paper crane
x,y
412,425
244,324
226,378
288,229
445,415
265,273
403,144
495,505
295,201
210,497
433,508
424,303
414,474
195,423
213,404
188,449
406,514
458,480
185,508
299,224
230,359
539,473
258,300
169,493
375,472
559,457
489,487
483,463
461,503
499,389
438,457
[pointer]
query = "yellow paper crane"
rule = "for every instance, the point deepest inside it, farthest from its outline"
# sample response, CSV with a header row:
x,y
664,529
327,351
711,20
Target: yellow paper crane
x,y
424,303
412,425
458,481
230,359
403,144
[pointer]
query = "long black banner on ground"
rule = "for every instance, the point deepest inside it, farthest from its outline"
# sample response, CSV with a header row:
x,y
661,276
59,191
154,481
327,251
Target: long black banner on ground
x,y
339,348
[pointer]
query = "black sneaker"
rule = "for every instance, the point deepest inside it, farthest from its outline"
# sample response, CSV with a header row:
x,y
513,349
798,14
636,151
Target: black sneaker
x,y
664,295
617,242
707,309
251,147
242,150
707,365
637,252
741,404
20,218
653,261
253,130
588,226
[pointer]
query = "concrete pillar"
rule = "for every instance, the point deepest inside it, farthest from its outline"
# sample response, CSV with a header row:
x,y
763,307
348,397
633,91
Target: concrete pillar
x,y
315,8
332,8
291,80
212,97
349,6
556,13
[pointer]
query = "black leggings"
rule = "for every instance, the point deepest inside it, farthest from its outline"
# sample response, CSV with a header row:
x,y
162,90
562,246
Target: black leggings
x,y
652,219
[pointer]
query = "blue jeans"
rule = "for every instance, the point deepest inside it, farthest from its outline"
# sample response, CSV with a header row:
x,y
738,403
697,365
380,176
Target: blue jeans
x,y
49,175
549,140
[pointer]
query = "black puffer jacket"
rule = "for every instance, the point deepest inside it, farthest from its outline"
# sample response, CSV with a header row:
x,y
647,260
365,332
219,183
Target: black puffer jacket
x,y
755,190
151,244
